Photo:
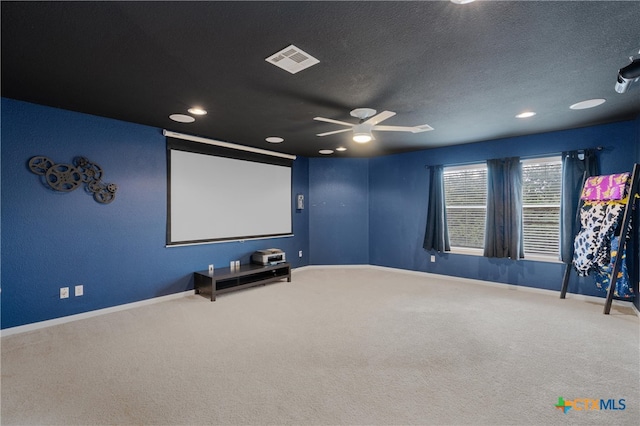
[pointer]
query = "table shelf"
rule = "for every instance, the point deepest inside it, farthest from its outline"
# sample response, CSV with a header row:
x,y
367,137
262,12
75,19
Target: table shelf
x,y
226,279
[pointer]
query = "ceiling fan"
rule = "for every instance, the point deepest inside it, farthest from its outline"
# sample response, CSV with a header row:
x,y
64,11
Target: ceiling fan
x,y
369,121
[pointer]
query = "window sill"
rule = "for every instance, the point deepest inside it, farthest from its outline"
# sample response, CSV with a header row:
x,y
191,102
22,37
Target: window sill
x,y
542,258
467,250
531,257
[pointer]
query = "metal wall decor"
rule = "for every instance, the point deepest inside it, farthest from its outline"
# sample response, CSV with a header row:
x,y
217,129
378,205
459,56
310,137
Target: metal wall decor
x,y
67,177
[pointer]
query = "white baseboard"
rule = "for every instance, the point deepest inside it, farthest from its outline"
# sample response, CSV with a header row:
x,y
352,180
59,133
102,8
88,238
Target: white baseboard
x,y
356,266
62,320
84,315
512,287
90,314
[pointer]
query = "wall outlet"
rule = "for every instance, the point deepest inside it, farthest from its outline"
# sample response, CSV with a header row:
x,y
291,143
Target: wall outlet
x,y
210,268
433,258
64,292
300,253
79,290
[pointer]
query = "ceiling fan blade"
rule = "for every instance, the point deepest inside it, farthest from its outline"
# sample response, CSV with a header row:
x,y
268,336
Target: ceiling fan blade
x,y
413,129
423,128
379,118
334,132
329,120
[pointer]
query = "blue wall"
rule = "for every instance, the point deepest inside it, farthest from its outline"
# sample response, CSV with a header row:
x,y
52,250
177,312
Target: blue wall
x,y
117,251
358,211
398,199
339,211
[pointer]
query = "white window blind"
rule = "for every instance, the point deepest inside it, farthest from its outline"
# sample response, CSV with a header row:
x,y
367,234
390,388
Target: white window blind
x,y
541,194
465,189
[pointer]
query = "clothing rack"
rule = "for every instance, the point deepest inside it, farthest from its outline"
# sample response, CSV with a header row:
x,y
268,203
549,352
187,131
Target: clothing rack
x,y
624,229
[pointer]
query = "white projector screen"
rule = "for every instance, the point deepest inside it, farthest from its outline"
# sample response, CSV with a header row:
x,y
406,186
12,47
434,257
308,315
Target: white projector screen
x,y
213,198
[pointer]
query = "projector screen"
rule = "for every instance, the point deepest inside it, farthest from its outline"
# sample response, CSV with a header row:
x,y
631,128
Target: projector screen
x,y
219,194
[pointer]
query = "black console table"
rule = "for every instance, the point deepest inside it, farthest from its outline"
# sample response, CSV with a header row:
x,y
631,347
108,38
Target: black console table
x,y
224,280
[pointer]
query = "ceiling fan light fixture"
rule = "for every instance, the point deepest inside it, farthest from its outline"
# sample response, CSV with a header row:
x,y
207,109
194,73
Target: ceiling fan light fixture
x,y
362,137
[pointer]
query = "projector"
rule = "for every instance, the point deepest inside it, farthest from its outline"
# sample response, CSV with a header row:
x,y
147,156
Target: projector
x,y
628,75
270,256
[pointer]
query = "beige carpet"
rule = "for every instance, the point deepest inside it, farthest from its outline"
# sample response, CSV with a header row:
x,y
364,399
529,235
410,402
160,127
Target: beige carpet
x,y
335,346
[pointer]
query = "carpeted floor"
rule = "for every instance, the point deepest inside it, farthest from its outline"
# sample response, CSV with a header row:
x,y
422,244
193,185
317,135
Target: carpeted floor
x,y
334,346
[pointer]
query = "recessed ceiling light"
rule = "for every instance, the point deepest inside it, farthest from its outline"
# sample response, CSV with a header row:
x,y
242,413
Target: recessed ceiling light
x,y
182,118
590,103
526,114
326,151
197,111
462,1
341,148
274,139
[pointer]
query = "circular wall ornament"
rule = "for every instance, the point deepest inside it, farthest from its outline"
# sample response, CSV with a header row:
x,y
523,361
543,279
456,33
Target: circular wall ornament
x,y
40,164
103,196
67,177
63,177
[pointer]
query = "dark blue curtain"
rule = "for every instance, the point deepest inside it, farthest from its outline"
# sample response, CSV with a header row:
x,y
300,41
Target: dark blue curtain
x,y
436,236
503,231
574,165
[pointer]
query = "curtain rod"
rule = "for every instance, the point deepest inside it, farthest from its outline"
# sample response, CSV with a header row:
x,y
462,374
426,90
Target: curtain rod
x,y
597,148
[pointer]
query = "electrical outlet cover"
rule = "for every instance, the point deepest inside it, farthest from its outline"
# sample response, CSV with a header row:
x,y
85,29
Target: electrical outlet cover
x,y
79,290
64,292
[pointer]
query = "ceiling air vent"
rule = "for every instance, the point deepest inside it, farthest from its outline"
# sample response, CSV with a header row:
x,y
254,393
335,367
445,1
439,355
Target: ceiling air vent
x,y
292,59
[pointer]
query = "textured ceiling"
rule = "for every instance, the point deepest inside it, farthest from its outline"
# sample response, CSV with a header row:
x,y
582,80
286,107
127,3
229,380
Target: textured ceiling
x,y
466,70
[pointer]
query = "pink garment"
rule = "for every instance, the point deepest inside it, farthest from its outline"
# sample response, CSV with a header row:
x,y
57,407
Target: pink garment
x,y
605,188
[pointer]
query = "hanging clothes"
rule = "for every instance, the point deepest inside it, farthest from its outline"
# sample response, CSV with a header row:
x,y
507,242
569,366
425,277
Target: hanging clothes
x,y
603,274
592,245
606,206
606,188
604,200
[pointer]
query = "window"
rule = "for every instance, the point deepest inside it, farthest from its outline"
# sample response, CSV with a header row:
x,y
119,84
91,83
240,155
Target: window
x,y
541,194
465,189
465,194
